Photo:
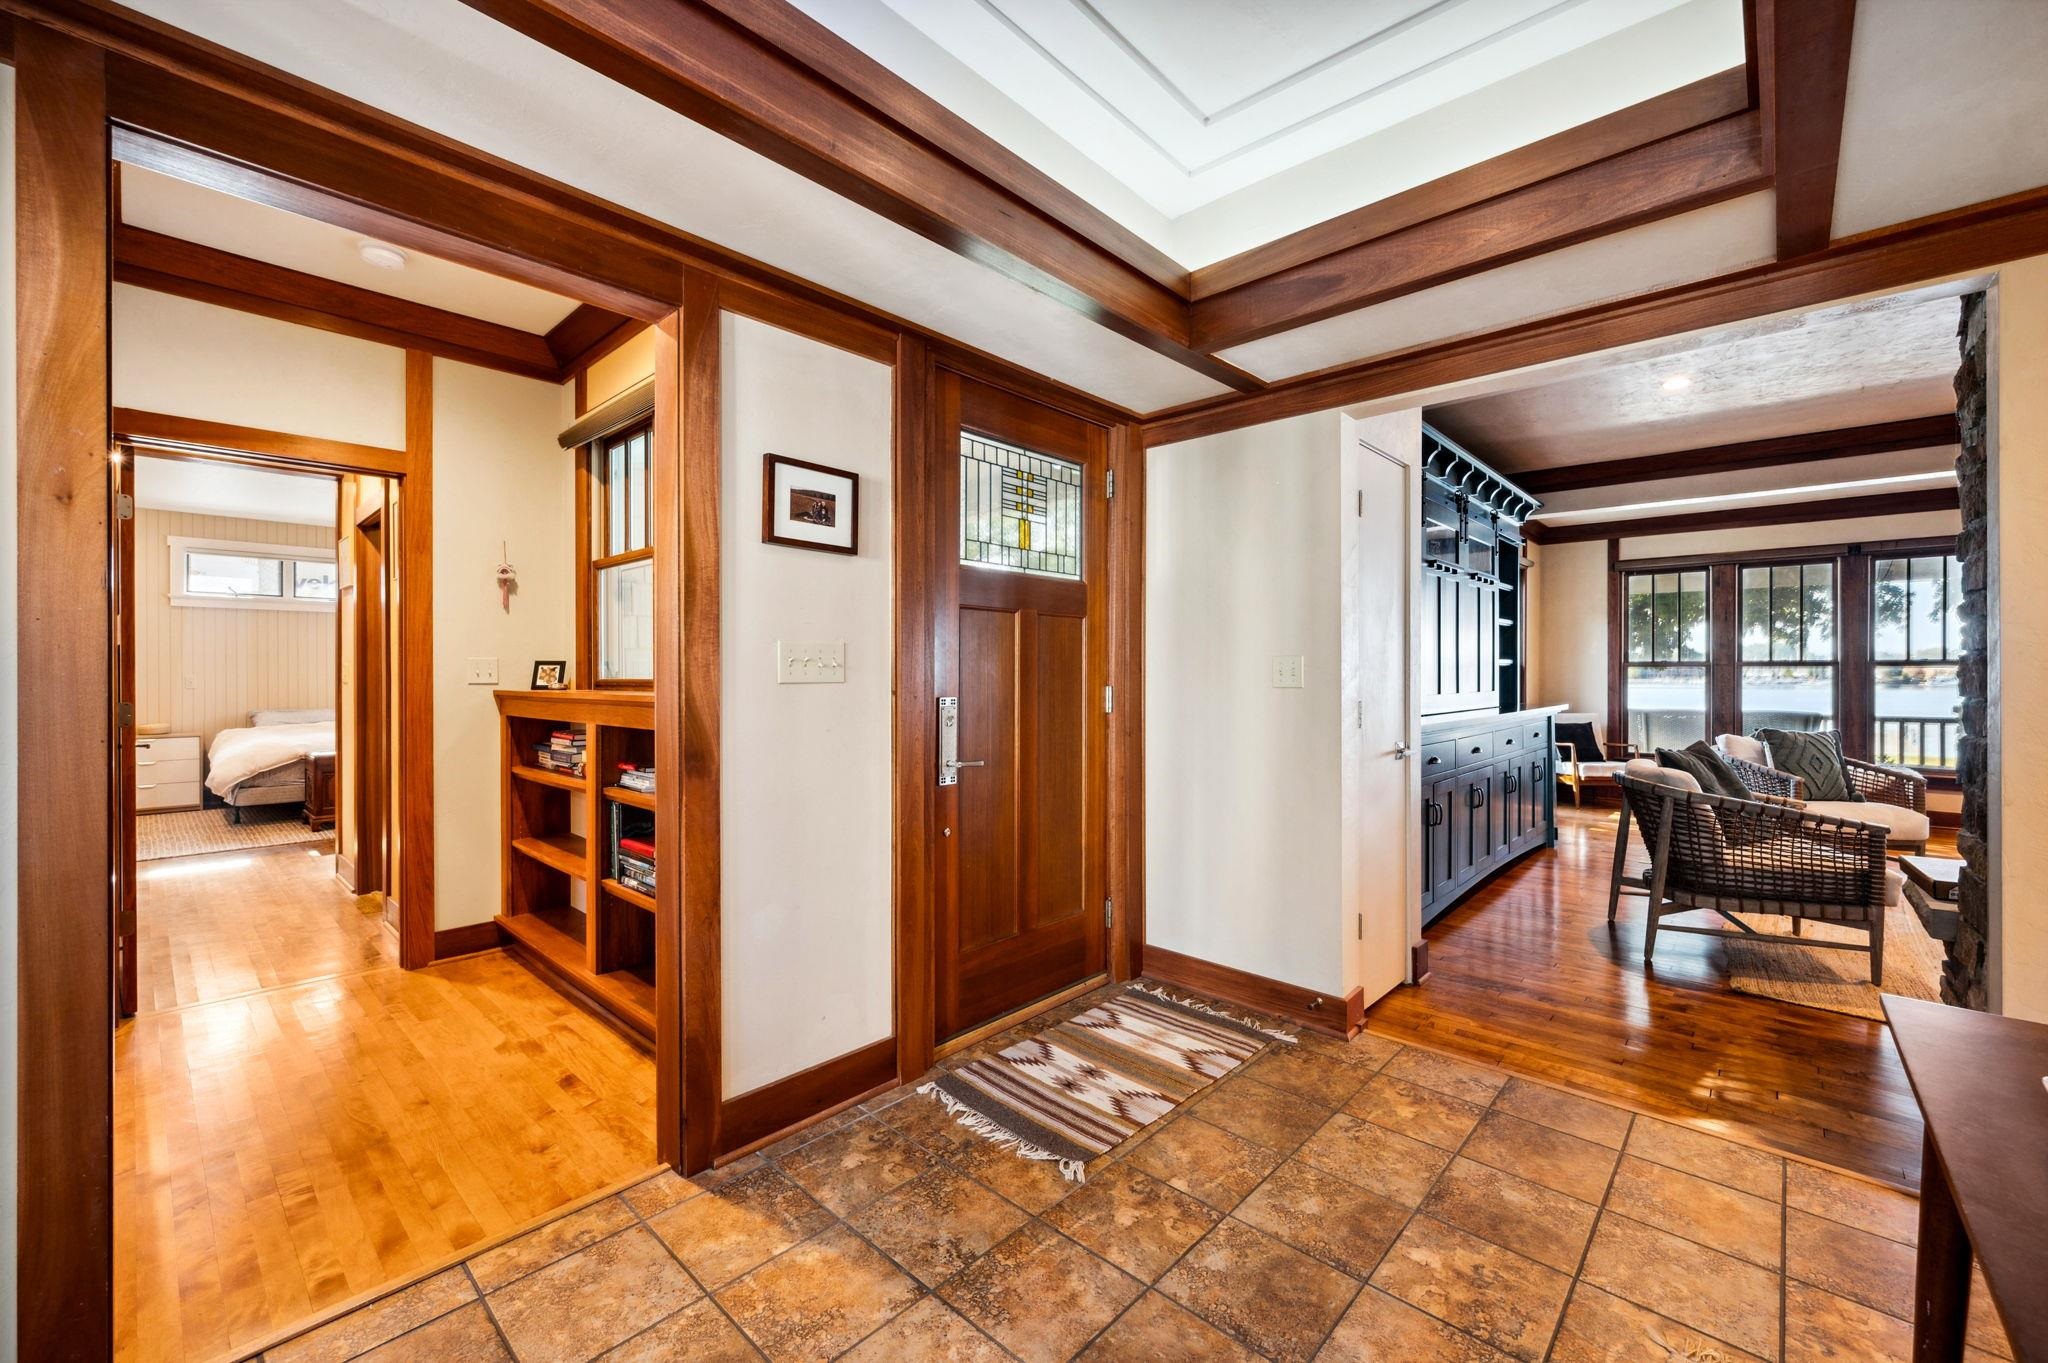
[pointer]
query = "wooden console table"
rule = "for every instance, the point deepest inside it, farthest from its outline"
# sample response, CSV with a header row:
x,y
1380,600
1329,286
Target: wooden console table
x,y
1984,1176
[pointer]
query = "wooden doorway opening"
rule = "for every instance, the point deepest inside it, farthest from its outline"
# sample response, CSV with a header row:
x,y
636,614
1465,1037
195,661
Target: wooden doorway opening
x,y
368,763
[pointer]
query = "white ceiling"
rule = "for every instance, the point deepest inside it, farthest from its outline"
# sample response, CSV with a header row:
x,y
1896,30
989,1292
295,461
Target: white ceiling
x,y
210,488
177,208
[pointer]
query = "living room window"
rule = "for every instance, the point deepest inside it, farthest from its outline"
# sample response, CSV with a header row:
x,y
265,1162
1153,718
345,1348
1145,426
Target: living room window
x,y
1916,638
1667,624
1788,647
620,574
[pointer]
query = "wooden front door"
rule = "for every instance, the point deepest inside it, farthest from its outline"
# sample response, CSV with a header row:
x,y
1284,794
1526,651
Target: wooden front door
x,y
1019,633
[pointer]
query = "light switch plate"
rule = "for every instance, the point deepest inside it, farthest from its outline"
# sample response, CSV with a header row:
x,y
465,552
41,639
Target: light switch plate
x,y
483,671
798,664
1287,670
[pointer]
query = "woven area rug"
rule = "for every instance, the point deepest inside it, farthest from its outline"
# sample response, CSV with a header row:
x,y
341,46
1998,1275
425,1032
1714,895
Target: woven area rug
x,y
195,832
1837,981
1083,1086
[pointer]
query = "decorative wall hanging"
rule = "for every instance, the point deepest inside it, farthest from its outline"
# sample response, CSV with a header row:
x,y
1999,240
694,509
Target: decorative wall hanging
x,y
809,506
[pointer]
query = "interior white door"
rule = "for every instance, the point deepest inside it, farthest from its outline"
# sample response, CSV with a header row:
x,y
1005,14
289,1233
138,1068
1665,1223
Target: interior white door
x,y
1387,800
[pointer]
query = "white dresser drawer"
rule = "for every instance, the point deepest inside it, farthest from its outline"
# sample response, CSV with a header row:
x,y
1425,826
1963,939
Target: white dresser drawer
x,y
183,771
166,795
166,748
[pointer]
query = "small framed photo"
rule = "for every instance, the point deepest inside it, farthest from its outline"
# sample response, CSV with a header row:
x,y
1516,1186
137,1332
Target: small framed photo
x,y
550,676
809,506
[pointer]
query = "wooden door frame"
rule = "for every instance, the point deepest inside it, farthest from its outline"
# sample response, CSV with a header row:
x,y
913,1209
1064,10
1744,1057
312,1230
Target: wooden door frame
x,y
372,780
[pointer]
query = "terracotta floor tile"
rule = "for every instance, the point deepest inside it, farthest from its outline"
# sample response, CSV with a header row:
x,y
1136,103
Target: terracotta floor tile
x,y
1412,1110
1032,1184
1853,1202
824,1126
1041,1295
382,1320
465,1333
539,1248
926,1122
1264,1293
1459,1078
1586,1118
1493,1294
1514,1213
1322,1215
661,1192
1259,1112
1306,1073
1705,1212
700,1332
739,1226
1850,1263
1364,1051
929,1332
1599,1327
1713,1292
852,1166
1564,1163
819,1299
1205,1160
1135,1221
1397,1167
1157,1330
595,1298
1822,1326
938,1223
1680,1147
1382,1327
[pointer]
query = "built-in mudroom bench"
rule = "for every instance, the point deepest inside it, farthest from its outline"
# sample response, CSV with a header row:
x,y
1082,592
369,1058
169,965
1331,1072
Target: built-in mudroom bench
x,y
1488,766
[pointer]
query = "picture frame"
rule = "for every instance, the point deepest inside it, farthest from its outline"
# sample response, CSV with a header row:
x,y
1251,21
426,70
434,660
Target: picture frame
x,y
809,506
550,674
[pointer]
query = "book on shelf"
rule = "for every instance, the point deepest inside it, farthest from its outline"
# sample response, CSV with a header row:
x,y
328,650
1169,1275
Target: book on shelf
x,y
632,847
551,759
636,778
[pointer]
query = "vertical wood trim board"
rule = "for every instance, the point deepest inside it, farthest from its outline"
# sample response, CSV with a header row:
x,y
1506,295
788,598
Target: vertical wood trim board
x,y
916,700
64,1232
665,457
1126,721
416,669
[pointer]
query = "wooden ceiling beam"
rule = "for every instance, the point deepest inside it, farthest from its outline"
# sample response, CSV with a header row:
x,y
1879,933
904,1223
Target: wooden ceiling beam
x,y
1803,79
1703,166
689,57
1888,437
585,333
170,265
1746,517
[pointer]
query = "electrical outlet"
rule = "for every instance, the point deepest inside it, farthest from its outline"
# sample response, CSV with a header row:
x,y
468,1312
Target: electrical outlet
x,y
798,664
483,671
1287,670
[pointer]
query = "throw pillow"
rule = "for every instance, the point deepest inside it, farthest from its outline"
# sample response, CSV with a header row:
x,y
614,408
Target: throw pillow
x,y
1579,734
1707,767
1815,758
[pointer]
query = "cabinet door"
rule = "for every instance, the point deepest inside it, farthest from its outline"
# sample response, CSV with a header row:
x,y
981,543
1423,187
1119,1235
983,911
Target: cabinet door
x,y
1507,816
1472,824
1440,869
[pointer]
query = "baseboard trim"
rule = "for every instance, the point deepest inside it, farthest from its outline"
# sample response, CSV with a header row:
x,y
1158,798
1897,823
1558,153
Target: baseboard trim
x,y
775,1109
466,940
345,872
1319,1012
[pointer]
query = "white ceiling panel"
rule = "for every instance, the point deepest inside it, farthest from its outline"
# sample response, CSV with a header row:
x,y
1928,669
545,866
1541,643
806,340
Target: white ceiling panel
x,y
214,489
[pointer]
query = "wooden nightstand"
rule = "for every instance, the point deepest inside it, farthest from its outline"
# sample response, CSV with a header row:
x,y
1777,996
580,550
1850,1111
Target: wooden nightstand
x,y
167,772
319,790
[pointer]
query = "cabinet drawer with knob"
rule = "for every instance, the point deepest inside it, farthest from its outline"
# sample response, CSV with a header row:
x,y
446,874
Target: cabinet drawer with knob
x,y
1474,749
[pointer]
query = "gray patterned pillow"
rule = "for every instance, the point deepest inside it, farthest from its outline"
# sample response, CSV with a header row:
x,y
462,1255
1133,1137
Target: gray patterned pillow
x,y
1815,758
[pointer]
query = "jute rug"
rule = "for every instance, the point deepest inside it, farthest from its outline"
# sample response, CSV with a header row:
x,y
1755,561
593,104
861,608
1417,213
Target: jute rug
x,y
1837,981
1082,1086
195,832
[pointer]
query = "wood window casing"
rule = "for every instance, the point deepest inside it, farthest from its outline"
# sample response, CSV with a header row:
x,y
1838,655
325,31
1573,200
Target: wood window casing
x,y
596,534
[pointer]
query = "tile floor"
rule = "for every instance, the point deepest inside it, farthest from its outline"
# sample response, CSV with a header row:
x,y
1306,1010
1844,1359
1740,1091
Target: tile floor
x,y
1326,1201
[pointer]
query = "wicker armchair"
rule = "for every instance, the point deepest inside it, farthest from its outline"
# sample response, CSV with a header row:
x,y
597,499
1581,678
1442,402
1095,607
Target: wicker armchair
x,y
1901,792
1766,856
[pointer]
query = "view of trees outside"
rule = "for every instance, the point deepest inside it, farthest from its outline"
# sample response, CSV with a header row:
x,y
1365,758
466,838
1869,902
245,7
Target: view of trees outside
x,y
1916,638
1788,647
1667,655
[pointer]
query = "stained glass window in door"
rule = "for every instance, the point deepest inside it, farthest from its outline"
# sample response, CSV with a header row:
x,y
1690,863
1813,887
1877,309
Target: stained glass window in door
x,y
1018,510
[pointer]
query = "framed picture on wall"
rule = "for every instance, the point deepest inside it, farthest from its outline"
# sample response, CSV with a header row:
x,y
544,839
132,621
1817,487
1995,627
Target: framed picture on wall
x,y
809,506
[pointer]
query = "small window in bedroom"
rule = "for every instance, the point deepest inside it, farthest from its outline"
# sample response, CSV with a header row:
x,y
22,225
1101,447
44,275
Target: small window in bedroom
x,y
219,573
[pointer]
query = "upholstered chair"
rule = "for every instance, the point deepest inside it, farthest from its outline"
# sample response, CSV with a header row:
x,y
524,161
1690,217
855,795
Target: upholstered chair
x,y
1892,796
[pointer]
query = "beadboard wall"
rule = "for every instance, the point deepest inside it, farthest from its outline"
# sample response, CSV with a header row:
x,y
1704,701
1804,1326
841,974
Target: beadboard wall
x,y
202,670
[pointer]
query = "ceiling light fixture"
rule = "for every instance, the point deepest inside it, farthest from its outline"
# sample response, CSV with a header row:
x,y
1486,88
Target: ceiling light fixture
x,y
1677,383
377,254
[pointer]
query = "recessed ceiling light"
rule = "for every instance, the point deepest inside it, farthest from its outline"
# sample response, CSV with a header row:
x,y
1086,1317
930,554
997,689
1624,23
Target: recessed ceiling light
x,y
383,257
1677,383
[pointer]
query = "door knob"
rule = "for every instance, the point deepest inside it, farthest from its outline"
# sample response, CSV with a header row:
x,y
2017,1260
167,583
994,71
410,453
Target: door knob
x,y
1401,751
953,764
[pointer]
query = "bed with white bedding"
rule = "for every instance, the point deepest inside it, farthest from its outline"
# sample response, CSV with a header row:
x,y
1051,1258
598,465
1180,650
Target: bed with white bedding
x,y
265,764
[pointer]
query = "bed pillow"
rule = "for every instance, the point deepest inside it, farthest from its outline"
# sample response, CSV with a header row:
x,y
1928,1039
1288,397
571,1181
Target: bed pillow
x,y
263,718
1815,758
1705,766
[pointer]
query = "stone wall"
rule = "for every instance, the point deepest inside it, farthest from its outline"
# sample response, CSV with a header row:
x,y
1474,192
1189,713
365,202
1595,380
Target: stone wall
x,y
1963,977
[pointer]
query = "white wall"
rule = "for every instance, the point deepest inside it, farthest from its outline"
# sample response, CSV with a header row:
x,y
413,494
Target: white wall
x,y
192,359
503,490
1243,847
805,800
1567,642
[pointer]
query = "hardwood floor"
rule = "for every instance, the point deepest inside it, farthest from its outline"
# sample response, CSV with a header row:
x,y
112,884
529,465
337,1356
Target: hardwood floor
x,y
281,1150
1527,974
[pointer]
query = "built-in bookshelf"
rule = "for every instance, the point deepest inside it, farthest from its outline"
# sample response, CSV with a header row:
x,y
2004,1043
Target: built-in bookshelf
x,y
565,909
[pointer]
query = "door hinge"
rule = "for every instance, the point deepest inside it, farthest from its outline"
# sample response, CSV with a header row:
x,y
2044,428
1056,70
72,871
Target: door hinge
x,y
125,714
1361,927
1109,484
1361,503
1361,714
1109,700
124,506
1108,914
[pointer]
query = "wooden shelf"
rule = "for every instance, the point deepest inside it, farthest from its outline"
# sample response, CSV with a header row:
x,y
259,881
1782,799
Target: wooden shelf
x,y
636,898
541,776
564,852
625,993
553,933
639,799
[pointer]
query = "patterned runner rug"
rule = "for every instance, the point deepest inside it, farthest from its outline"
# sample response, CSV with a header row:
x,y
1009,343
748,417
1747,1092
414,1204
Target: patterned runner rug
x,y
194,832
1085,1085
